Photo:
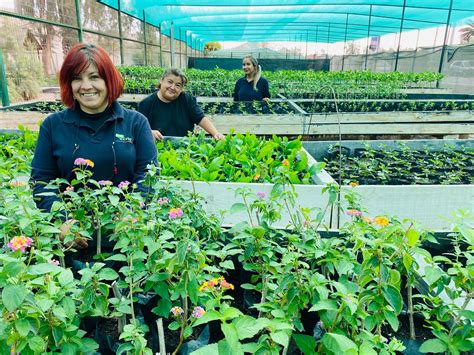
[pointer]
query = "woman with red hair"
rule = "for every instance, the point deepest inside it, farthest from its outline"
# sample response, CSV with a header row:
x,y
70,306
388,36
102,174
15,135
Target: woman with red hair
x,y
94,127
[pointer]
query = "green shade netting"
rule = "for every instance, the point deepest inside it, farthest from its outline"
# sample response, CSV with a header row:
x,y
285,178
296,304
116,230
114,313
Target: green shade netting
x,y
314,21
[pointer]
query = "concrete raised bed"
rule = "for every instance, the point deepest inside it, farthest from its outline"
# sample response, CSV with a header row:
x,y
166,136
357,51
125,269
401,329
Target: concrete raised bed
x,y
430,205
221,196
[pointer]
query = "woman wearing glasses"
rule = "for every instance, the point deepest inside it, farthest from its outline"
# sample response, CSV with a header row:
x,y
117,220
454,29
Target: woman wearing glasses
x,y
172,111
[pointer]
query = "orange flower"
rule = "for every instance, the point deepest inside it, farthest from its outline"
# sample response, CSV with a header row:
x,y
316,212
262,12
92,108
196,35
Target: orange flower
x,y
226,285
354,183
285,162
256,177
382,221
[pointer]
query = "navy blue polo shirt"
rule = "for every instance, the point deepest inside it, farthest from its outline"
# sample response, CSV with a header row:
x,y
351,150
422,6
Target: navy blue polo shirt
x,y
124,137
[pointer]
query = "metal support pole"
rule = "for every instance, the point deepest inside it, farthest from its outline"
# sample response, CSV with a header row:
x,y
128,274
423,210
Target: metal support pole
x,y
80,32
368,38
345,39
443,50
180,48
161,46
172,44
306,50
400,36
3,82
120,31
144,37
315,50
327,46
416,50
186,47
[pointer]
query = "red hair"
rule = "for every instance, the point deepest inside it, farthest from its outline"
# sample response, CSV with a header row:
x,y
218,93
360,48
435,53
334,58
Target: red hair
x,y
77,60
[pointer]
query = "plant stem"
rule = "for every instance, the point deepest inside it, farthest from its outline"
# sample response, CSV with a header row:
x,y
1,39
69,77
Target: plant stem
x,y
264,291
410,308
123,319
185,316
458,316
99,235
131,290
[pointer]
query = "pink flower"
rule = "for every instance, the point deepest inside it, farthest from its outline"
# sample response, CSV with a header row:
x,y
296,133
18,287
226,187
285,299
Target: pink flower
x,y
69,189
124,185
354,213
177,311
16,183
20,242
54,262
261,195
142,204
226,285
175,213
163,201
84,162
198,312
105,182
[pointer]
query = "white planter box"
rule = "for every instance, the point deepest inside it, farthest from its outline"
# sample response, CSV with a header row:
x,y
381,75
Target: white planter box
x,y
430,205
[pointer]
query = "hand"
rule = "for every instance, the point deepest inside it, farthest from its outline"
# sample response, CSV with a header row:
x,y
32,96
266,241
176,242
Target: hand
x,y
79,242
218,136
157,135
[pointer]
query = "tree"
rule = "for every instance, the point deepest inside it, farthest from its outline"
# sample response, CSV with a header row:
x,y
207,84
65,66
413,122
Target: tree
x,y
467,32
211,46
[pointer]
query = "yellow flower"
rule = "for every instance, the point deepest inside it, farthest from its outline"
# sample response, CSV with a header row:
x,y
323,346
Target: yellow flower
x,y
382,221
285,162
369,220
256,177
90,163
354,183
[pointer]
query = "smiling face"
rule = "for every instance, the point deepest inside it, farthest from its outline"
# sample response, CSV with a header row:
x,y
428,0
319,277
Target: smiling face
x,y
248,67
171,87
90,90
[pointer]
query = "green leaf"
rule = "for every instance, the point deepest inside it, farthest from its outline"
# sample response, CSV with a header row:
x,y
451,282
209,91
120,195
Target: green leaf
x,y
281,338
69,307
88,345
393,296
208,317
433,346
413,237
13,296
211,349
114,200
108,274
37,344
325,305
44,304
238,208
339,344
65,277
305,343
43,268
392,319
231,313
230,333
23,327
69,348
407,261
367,349
433,274
117,257
163,307
247,327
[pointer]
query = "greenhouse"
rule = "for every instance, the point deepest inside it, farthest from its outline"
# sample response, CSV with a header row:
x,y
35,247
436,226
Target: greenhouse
x,y
238,177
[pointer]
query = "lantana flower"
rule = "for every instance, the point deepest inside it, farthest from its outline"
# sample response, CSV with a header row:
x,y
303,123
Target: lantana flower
x,y
354,213
226,285
69,189
54,262
175,213
177,311
198,312
261,195
124,185
105,183
16,183
20,243
163,201
84,162
285,162
382,221
353,184
368,220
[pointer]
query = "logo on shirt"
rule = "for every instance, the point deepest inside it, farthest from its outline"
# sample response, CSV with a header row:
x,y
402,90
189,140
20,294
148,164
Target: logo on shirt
x,y
121,138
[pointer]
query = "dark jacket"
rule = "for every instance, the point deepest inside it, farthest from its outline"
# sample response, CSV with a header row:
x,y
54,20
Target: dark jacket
x,y
175,118
124,137
244,90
